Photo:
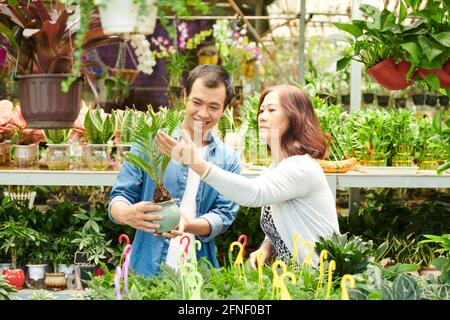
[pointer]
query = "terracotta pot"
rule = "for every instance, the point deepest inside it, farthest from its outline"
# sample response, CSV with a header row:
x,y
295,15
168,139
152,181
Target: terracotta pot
x,y
44,105
391,75
14,277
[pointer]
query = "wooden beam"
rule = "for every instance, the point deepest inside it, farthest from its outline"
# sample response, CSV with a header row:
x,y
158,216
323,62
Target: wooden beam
x,y
250,28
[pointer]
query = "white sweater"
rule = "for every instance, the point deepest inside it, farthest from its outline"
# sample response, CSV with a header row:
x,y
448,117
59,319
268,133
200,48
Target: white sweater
x,y
296,189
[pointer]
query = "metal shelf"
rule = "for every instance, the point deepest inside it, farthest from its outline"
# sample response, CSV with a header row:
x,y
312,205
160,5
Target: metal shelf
x,y
83,177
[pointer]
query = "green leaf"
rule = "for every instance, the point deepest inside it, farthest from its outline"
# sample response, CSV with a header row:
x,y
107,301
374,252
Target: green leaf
x,y
402,12
443,38
350,28
95,226
342,63
81,216
433,81
443,167
414,51
431,49
406,288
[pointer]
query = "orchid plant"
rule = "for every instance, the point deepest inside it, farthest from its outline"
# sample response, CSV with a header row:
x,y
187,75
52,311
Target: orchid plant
x,y
234,47
177,57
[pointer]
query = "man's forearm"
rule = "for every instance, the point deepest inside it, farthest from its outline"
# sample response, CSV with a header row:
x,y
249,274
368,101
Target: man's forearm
x,y
118,211
199,227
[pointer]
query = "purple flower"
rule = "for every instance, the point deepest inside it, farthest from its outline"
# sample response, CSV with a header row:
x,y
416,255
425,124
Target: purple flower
x,y
2,57
183,35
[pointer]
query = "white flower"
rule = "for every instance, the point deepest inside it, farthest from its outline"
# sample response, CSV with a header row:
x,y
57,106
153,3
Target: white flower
x,y
145,57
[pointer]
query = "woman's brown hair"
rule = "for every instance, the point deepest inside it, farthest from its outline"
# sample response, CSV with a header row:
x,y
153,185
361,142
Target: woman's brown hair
x,y
304,135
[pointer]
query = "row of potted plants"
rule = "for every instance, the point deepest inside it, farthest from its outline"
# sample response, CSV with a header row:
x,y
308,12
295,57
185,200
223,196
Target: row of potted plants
x,y
380,138
93,126
38,240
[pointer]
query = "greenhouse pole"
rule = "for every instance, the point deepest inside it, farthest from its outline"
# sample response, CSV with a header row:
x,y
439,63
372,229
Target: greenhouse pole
x,y
301,49
355,104
355,69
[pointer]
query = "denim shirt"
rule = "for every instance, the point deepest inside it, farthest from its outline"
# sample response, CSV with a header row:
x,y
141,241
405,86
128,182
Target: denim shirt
x,y
133,185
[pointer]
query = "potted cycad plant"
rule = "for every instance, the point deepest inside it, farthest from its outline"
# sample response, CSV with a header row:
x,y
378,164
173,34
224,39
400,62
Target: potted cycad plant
x,y
148,158
58,154
99,131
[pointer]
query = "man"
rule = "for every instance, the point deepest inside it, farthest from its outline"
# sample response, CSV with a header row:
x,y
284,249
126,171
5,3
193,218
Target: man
x,y
205,213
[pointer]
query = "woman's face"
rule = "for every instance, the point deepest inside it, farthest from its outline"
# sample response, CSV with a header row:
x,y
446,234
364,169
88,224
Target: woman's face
x,y
272,120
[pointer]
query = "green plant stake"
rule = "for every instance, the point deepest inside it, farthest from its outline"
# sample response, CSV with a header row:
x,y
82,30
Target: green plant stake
x,y
194,282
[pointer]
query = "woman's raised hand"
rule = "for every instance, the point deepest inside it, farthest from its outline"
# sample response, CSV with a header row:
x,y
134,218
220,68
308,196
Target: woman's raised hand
x,y
184,152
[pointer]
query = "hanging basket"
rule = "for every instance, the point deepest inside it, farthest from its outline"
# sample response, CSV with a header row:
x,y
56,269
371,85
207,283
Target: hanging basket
x,y
124,16
44,105
443,74
391,75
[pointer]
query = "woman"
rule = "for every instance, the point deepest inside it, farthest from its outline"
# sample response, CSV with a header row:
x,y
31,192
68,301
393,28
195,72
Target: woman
x,y
293,192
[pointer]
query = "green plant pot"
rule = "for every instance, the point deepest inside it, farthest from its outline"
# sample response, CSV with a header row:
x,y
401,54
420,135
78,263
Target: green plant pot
x,y
171,213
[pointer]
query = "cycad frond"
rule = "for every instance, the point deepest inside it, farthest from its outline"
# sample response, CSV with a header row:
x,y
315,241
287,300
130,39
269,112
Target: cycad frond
x,y
147,157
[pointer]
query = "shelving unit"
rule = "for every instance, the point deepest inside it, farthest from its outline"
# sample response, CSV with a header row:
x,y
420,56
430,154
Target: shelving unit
x,y
351,179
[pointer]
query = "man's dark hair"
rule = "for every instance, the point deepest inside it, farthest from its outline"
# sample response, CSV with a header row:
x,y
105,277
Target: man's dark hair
x,y
212,76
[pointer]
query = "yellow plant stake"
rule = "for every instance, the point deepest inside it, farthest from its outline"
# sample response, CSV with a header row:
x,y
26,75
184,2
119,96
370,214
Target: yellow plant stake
x,y
322,258
331,268
239,262
296,238
344,292
259,259
284,292
308,258
276,285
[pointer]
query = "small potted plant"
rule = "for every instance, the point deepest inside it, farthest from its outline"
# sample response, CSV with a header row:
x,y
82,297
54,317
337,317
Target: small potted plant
x,y
37,266
45,48
400,99
24,140
147,157
100,130
92,248
15,235
58,154
405,138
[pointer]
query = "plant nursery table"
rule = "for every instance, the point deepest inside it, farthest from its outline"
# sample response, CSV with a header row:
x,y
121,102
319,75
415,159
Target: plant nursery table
x,y
351,179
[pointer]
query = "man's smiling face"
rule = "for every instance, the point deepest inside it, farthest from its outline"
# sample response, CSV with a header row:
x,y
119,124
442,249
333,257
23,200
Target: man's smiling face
x,y
204,108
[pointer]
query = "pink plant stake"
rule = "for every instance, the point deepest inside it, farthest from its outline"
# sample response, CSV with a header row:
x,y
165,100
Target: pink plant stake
x,y
123,272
